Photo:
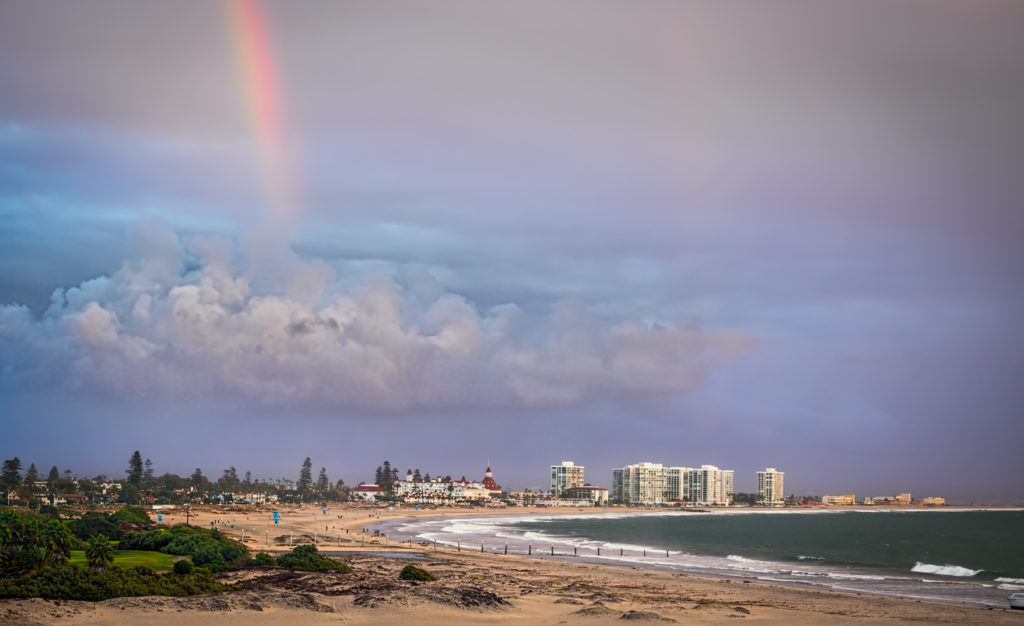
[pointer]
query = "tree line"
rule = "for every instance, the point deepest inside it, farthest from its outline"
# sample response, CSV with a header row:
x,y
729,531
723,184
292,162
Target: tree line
x,y
140,483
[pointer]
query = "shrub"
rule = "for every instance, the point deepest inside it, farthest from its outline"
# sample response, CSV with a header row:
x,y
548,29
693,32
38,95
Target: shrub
x,y
184,567
307,559
208,549
92,524
131,514
70,582
262,558
411,572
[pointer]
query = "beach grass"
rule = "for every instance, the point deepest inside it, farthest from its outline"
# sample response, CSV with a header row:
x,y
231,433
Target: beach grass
x,y
157,561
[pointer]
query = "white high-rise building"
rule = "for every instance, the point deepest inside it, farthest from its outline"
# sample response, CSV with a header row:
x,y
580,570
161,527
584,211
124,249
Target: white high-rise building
x,y
707,485
640,484
770,489
650,483
565,476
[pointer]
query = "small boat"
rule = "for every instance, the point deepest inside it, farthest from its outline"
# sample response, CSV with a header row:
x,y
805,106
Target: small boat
x,y
1017,600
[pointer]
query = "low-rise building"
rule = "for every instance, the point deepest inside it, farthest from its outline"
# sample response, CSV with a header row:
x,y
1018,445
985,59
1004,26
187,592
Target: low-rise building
x,y
901,499
367,493
845,500
934,501
593,496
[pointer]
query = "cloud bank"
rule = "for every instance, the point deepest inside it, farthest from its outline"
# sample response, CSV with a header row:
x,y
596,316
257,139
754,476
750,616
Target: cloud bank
x,y
255,321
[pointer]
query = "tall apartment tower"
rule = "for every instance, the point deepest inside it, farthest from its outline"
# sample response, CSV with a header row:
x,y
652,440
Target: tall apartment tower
x,y
770,490
565,476
641,483
706,485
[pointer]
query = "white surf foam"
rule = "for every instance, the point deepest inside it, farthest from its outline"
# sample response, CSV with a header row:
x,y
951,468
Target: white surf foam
x,y
845,576
1012,581
944,570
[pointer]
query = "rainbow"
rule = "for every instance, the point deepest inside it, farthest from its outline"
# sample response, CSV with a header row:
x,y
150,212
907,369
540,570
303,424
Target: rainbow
x,y
261,92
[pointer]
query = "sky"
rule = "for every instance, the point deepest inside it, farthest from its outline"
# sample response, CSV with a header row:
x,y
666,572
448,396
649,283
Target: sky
x,y
454,234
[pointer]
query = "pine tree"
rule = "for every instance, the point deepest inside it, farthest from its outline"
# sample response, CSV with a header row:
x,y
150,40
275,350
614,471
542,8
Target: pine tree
x,y
416,474
378,477
305,477
147,475
134,470
12,473
31,476
248,479
388,481
322,484
198,480
53,477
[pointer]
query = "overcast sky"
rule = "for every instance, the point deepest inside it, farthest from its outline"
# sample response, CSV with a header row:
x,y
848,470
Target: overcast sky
x,y
457,233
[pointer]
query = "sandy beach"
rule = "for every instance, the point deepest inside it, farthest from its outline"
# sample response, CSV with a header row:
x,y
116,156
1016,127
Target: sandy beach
x,y
472,587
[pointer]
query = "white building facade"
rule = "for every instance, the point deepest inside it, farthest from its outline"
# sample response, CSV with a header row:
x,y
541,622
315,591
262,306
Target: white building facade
x,y
770,489
565,476
641,484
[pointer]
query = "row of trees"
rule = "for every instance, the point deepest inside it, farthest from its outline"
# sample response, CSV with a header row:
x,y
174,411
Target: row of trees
x,y
140,480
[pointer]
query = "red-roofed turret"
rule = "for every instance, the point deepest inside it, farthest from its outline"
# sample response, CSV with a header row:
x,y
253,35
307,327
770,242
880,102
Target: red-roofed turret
x,y
489,482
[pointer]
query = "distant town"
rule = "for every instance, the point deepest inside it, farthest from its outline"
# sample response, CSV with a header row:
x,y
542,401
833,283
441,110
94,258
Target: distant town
x,y
643,484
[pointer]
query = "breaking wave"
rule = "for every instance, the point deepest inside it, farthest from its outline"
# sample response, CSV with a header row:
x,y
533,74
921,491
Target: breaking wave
x,y
944,570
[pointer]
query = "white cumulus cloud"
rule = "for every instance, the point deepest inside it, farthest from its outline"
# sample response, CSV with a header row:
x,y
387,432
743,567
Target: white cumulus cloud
x,y
194,319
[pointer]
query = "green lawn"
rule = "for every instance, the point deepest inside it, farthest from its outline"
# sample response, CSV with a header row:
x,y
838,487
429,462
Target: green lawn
x,y
130,558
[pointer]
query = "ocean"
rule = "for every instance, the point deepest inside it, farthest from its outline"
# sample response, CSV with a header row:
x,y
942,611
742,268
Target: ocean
x,y
973,556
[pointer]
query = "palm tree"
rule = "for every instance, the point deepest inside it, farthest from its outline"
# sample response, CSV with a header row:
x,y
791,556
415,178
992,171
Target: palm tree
x,y
99,553
57,540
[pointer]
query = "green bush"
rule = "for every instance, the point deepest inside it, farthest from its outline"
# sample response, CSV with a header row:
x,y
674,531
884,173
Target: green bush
x,y
92,524
131,514
71,582
411,572
262,558
208,548
183,567
307,559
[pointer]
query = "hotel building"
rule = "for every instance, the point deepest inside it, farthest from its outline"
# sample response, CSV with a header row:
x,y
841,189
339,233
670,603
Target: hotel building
x,y
770,490
565,476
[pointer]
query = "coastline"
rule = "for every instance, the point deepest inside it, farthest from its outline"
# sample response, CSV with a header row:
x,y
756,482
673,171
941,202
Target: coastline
x,y
536,590
935,581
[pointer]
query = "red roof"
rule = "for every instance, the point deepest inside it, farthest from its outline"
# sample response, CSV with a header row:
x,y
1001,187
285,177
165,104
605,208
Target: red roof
x,y
368,488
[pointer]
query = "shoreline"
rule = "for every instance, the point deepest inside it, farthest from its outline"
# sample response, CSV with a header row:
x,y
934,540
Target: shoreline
x,y
649,558
474,588
384,518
